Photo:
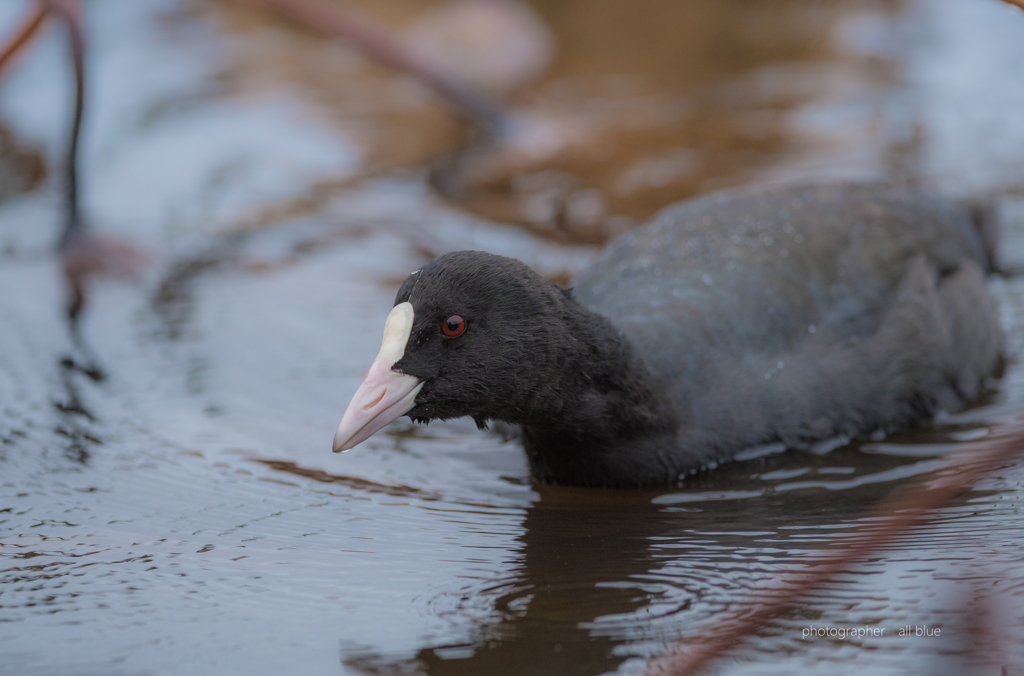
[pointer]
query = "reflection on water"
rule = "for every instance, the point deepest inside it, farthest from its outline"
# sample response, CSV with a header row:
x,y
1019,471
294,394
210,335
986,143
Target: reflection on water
x,y
183,512
606,577
643,104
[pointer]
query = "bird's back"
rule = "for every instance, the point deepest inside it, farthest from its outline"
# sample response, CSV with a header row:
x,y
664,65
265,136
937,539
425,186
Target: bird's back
x,y
798,314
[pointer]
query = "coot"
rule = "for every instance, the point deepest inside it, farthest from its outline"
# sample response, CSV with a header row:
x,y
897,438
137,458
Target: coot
x,y
790,315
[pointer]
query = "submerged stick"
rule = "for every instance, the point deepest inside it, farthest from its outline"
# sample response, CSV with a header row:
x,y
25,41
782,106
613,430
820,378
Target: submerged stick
x,y
889,521
338,20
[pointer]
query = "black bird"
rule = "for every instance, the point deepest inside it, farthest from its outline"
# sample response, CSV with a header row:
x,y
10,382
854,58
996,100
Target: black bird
x,y
759,316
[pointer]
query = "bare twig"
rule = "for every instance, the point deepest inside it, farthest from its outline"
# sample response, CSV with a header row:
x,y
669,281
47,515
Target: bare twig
x,y
884,525
1016,3
338,20
16,43
70,12
82,253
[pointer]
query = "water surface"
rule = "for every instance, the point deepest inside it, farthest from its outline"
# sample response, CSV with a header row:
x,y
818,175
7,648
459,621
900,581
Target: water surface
x,y
184,514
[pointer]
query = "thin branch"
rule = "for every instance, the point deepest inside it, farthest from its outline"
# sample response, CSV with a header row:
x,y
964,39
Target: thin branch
x,y
886,524
338,20
1019,4
70,12
82,254
16,43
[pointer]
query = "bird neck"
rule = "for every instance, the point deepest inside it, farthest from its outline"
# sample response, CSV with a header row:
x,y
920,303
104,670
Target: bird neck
x,y
614,423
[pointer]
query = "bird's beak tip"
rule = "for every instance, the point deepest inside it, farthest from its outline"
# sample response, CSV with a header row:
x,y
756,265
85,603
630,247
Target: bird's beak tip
x,y
385,394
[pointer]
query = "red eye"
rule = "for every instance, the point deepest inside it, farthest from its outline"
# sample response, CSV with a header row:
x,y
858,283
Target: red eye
x,y
453,326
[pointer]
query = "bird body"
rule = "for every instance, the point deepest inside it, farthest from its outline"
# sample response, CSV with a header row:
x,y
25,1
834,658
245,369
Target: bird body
x,y
792,315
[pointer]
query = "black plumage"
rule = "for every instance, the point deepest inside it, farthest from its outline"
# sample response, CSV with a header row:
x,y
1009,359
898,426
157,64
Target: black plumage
x,y
788,315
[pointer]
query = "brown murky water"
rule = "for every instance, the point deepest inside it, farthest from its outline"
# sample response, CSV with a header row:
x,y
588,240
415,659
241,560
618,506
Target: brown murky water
x,y
184,513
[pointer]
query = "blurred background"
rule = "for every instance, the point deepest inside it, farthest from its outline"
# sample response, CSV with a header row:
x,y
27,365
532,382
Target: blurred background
x,y
168,499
